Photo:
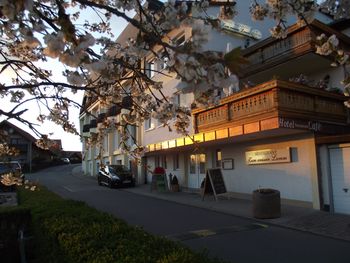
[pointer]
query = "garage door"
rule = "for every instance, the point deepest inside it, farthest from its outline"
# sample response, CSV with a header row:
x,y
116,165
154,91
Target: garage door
x,y
340,173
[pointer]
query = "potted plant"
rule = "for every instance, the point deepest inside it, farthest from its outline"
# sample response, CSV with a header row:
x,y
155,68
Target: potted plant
x,y
266,203
174,184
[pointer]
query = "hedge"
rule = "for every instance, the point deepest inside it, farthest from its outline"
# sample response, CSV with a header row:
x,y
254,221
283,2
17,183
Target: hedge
x,y
71,231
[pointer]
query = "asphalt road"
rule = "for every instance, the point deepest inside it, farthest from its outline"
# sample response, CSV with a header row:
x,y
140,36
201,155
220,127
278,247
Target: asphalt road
x,y
228,237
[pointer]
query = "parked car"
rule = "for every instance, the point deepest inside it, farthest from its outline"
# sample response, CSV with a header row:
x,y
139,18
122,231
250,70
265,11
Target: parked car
x,y
13,167
115,176
65,160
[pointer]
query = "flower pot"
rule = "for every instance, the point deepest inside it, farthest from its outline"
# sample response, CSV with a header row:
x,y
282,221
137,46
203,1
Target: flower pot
x,y
266,203
175,188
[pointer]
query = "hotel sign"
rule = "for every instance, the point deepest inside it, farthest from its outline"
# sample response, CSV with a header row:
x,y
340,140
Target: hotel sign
x,y
281,155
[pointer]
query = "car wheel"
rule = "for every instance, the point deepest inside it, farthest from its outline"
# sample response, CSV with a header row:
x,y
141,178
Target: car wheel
x,y
110,185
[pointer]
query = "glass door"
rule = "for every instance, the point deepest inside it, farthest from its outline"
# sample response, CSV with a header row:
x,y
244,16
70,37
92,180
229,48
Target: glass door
x,y
196,170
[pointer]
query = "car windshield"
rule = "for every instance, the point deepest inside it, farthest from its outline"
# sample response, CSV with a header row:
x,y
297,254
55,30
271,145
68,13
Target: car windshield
x,y
118,169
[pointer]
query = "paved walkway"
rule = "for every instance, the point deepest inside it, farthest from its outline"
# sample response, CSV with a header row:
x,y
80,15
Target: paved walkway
x,y
300,218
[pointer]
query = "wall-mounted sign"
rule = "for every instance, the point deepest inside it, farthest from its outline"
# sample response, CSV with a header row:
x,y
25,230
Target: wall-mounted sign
x,y
281,155
227,164
300,124
239,28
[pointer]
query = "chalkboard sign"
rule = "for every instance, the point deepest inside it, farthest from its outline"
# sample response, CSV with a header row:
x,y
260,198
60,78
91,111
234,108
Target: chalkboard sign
x,y
214,182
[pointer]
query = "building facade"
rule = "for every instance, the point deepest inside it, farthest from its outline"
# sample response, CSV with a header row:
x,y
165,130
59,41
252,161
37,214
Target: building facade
x,y
277,127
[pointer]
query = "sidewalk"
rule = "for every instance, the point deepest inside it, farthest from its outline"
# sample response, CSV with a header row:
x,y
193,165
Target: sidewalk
x,y
299,218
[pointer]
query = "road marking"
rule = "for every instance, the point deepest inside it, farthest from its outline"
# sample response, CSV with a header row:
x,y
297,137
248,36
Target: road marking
x,y
217,231
68,189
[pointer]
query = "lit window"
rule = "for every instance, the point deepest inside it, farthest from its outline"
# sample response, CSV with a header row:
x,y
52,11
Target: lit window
x,y
218,158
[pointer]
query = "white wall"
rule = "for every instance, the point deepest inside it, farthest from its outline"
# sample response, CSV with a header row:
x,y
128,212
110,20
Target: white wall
x,y
293,179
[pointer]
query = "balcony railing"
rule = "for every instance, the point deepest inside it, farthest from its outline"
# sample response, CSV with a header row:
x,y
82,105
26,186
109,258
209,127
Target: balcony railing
x,y
256,107
299,41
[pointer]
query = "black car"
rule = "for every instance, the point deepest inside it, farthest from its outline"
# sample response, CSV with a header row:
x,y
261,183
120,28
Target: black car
x,y
115,175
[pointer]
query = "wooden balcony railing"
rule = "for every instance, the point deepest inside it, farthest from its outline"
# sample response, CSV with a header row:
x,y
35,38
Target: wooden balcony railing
x,y
274,99
299,41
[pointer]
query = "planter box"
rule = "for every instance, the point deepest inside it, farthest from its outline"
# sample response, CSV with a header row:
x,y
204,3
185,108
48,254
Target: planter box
x,y
266,203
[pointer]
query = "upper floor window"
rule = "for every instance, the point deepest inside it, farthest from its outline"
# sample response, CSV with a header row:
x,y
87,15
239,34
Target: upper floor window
x,y
177,99
179,41
148,124
150,68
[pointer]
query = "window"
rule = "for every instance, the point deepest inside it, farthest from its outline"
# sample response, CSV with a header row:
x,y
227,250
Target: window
x,y
149,68
116,140
164,162
180,40
148,124
192,164
176,164
218,158
156,161
162,64
105,143
202,163
177,99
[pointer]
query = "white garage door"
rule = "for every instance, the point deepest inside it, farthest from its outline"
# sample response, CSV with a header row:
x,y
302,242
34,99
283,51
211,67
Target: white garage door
x,y
340,172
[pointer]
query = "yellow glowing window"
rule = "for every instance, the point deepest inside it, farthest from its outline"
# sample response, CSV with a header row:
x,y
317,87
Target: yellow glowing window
x,y
199,137
209,136
165,145
180,142
172,143
188,140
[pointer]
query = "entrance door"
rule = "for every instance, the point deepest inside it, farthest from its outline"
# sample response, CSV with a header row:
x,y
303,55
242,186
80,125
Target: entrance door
x,y
196,170
340,172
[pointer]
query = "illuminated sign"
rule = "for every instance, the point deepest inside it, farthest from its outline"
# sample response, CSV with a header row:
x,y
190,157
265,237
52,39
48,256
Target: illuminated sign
x,y
239,28
268,156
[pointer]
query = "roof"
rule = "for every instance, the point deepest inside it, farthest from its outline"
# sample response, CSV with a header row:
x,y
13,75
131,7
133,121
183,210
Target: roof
x,y
18,130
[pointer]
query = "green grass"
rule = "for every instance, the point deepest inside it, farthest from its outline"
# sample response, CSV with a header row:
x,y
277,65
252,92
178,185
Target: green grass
x,y
70,231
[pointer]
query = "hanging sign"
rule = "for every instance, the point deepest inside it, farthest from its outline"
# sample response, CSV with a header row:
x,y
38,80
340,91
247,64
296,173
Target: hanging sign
x,y
281,155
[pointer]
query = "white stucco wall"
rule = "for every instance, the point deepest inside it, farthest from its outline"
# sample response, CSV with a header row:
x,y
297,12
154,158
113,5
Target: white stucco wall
x,y
293,180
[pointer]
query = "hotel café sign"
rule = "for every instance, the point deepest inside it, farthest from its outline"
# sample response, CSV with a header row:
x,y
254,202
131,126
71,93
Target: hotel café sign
x,y
281,155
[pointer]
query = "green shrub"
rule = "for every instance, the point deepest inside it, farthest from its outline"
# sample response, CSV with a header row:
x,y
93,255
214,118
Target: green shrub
x,y
71,231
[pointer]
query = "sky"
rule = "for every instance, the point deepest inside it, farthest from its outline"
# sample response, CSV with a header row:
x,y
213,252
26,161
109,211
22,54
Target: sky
x,y
70,142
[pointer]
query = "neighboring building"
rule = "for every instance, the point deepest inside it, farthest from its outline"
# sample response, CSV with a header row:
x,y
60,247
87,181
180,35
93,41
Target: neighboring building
x,y
30,156
268,131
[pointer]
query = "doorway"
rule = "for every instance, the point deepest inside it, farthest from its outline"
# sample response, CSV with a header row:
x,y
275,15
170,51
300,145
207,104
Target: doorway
x,y
196,170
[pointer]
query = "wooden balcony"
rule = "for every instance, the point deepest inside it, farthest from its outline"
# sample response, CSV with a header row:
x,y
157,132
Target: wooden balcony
x,y
275,104
267,57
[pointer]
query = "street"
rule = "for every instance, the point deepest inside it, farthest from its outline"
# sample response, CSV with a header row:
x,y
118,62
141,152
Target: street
x,y
231,238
